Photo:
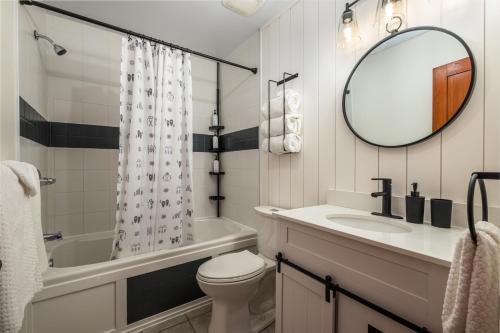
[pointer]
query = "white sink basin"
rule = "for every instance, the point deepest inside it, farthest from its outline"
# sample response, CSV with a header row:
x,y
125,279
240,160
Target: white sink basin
x,y
369,223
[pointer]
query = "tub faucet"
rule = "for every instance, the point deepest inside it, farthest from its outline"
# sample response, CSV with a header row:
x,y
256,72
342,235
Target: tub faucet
x,y
386,195
52,236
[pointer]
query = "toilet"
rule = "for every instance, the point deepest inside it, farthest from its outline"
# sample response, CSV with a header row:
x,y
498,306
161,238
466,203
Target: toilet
x,y
232,279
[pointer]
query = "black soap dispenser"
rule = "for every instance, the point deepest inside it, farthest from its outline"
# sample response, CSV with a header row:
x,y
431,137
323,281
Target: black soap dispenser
x,y
415,206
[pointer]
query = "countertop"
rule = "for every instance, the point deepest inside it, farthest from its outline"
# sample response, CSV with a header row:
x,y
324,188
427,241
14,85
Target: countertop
x,y
425,242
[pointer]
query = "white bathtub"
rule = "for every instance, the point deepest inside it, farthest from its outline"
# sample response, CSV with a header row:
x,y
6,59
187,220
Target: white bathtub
x,y
86,292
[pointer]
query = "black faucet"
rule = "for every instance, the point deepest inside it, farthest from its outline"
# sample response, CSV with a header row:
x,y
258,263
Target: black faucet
x,y
386,195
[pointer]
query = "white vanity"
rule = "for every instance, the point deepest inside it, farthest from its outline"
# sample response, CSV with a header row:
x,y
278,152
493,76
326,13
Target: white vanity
x,y
399,266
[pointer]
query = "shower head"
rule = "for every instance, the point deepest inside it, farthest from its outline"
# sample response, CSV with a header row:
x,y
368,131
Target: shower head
x,y
58,49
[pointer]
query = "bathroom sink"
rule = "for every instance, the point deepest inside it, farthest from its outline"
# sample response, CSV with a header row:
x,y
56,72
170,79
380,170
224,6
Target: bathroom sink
x,y
369,223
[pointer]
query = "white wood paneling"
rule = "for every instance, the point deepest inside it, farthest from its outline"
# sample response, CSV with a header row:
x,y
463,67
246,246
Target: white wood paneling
x,y
462,146
332,157
326,98
273,160
263,155
345,142
284,66
311,75
297,66
492,97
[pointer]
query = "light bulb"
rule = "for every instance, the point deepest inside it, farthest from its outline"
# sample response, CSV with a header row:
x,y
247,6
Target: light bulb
x,y
348,33
391,15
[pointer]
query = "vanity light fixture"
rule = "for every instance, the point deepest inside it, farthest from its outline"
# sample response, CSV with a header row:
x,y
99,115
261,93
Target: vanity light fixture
x,y
390,15
348,32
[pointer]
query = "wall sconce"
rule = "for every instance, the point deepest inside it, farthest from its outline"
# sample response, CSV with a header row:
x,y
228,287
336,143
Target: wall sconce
x,y
348,32
391,15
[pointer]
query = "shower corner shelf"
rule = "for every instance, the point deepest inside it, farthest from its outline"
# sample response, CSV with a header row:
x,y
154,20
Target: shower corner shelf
x,y
216,173
216,128
217,197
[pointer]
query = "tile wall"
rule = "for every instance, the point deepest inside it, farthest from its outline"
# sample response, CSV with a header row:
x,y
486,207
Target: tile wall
x,y
82,87
240,116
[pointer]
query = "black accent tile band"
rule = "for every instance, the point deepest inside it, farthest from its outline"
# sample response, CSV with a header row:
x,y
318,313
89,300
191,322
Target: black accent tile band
x,y
201,143
83,136
35,127
32,125
241,140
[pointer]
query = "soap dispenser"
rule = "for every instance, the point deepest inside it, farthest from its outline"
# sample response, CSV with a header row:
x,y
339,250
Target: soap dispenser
x,y
415,206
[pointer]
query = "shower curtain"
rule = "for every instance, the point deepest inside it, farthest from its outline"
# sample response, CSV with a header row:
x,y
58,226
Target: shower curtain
x,y
154,187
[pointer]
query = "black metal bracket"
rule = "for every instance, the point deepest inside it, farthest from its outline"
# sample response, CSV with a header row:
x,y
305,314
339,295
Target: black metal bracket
x,y
479,177
286,77
336,288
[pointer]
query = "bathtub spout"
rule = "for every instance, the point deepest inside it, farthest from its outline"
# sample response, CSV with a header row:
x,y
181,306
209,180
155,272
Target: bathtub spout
x,y
52,236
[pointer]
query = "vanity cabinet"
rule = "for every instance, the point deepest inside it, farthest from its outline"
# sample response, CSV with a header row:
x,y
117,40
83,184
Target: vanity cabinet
x,y
409,287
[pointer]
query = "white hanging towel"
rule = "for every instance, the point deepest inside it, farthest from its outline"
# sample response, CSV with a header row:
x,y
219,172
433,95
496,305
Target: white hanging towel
x,y
293,124
291,144
471,300
293,102
22,249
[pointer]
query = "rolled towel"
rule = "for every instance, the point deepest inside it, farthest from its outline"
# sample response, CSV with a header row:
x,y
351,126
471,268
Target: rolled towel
x,y
293,125
291,144
292,105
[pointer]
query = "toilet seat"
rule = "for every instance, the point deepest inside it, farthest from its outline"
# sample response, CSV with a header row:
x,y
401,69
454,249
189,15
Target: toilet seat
x,y
232,267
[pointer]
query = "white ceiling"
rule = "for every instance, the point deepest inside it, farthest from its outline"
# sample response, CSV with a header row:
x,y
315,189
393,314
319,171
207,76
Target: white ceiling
x,y
204,26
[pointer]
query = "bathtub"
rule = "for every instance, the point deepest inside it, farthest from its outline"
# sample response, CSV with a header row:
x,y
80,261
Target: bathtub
x,y
86,292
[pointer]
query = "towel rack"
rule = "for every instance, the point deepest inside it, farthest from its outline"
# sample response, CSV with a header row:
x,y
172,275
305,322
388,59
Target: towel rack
x,y
286,77
479,177
44,181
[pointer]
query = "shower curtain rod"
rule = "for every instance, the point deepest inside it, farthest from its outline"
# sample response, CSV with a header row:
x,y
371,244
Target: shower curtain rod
x,y
131,33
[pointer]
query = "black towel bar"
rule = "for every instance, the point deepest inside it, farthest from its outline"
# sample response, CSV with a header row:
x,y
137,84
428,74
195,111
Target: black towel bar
x,y
336,288
479,177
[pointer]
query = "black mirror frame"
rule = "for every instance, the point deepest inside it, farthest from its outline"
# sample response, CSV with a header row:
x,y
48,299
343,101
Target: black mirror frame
x,y
461,108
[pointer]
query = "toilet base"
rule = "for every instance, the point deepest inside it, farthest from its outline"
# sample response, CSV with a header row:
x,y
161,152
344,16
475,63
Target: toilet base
x,y
230,317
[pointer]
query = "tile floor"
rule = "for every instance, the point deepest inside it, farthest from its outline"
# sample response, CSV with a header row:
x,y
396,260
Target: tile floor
x,y
193,322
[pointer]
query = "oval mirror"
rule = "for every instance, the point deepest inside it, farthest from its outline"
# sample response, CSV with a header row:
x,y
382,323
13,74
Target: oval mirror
x,y
408,87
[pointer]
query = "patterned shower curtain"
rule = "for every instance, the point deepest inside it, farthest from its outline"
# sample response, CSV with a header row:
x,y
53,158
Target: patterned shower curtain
x,y
154,205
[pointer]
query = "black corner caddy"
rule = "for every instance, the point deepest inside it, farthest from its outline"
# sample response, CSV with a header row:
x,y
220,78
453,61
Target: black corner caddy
x,y
330,285
216,129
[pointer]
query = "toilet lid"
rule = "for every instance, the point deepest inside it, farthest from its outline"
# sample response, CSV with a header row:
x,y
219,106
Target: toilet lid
x,y
232,267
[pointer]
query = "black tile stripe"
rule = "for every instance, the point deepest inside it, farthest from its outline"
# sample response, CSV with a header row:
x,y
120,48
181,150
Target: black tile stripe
x,y
35,127
83,136
241,140
32,125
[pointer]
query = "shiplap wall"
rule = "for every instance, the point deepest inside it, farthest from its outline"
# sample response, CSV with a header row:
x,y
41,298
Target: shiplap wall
x,y
302,39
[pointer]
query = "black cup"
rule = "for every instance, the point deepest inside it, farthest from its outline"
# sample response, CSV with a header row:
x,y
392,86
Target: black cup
x,y
441,213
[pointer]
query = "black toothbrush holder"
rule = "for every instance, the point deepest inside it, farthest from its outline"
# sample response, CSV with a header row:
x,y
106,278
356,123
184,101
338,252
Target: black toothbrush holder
x,y
441,213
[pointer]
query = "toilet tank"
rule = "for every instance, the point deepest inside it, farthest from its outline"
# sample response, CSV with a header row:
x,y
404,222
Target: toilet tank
x,y
266,237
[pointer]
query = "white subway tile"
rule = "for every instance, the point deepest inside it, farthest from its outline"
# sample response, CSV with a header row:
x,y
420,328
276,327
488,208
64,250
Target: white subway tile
x,y
95,201
96,159
95,180
68,181
94,114
68,203
95,222
68,159
69,224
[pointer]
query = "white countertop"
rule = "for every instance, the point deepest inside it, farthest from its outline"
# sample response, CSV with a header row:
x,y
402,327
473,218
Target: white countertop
x,y
423,242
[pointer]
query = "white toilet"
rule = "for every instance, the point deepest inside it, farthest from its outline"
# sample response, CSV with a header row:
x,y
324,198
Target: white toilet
x,y
232,279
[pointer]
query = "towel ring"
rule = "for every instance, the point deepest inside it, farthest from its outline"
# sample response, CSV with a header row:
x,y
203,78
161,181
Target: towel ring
x,y
479,177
